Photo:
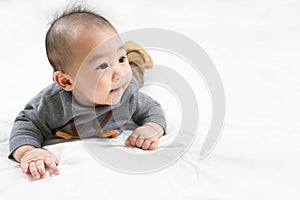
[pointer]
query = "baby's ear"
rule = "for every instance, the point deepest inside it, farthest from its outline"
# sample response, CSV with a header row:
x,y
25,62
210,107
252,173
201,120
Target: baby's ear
x,y
63,80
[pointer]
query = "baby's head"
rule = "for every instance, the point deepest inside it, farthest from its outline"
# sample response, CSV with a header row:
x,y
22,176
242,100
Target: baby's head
x,y
88,57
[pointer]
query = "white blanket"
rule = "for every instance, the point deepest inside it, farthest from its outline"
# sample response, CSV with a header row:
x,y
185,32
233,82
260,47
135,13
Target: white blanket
x,y
246,164
255,47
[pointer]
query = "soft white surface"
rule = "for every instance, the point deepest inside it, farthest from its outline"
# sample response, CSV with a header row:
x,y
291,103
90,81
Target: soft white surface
x,y
255,46
246,164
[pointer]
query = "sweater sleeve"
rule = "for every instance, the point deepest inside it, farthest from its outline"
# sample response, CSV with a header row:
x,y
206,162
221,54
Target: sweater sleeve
x,y
30,126
147,110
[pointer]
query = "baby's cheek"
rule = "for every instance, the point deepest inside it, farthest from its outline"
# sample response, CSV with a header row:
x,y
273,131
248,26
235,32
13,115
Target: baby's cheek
x,y
104,80
129,74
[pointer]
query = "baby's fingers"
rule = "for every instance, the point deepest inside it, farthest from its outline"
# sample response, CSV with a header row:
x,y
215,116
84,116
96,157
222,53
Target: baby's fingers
x,y
127,142
41,168
52,164
131,140
153,145
25,167
146,144
34,171
139,142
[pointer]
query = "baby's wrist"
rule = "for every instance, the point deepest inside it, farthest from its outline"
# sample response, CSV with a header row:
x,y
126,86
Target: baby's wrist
x,y
21,151
158,129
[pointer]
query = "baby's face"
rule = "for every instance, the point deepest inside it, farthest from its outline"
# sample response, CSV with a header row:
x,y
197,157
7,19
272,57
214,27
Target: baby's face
x,y
102,72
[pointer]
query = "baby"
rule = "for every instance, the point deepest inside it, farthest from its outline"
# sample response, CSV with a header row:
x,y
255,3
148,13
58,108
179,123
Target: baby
x,y
94,93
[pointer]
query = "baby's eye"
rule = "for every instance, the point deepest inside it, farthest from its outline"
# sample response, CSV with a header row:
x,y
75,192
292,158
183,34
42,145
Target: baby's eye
x,y
103,66
122,59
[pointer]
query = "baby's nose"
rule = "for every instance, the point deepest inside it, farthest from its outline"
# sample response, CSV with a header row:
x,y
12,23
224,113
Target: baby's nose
x,y
119,71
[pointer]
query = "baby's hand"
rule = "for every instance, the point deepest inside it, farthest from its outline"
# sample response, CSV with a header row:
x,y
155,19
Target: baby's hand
x,y
36,160
146,136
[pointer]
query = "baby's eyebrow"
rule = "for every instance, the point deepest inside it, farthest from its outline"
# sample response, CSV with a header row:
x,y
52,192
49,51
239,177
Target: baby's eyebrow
x,y
121,48
98,56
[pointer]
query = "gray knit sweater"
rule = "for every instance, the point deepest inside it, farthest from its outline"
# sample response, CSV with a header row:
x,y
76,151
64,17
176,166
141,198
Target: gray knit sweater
x,y
54,109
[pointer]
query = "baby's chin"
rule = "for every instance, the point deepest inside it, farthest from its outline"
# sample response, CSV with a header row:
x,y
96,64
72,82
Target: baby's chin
x,y
116,95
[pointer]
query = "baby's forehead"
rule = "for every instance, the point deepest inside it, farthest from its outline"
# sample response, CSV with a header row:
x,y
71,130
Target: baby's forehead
x,y
103,44
100,38
108,51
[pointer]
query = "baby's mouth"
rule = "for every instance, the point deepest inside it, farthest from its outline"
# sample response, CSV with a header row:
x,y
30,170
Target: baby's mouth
x,y
116,90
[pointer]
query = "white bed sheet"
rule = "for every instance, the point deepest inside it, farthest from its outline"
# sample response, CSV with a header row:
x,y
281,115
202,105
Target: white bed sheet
x,y
255,46
246,164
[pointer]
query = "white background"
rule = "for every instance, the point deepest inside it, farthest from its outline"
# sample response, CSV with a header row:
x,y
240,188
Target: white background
x,y
255,47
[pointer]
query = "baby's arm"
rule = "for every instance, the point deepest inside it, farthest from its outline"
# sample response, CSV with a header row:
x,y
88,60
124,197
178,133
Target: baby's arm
x,y
35,161
27,135
146,136
147,113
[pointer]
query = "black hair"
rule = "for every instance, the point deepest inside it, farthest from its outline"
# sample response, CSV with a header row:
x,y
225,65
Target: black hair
x,y
58,35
